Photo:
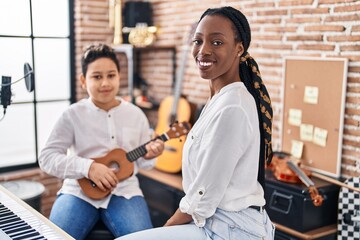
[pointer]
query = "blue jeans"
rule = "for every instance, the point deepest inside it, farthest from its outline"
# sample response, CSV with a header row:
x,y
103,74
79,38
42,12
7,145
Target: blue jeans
x,y
123,216
248,224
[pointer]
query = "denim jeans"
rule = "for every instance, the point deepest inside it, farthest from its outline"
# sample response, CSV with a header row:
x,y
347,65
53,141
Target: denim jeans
x,y
123,216
243,225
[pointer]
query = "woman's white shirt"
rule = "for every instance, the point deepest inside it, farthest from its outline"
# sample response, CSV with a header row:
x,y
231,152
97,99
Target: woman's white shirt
x,y
221,156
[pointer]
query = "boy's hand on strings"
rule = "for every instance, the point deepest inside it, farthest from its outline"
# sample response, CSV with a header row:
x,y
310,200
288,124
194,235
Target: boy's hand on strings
x,y
154,149
103,176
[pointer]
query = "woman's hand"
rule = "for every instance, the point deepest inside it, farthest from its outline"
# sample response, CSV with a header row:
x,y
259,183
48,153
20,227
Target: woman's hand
x,y
178,218
154,149
104,177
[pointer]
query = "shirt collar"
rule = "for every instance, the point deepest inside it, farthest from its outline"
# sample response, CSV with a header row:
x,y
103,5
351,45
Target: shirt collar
x,y
231,86
93,106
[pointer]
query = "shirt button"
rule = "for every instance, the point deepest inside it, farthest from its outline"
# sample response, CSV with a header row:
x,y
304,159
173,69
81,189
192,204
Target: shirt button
x,y
201,193
112,137
109,116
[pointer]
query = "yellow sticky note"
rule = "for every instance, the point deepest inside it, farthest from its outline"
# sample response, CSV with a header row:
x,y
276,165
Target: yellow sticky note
x,y
306,132
295,117
320,136
311,95
296,148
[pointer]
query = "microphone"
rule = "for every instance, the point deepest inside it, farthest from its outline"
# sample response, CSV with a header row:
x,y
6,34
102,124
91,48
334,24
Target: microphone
x,y
5,91
29,77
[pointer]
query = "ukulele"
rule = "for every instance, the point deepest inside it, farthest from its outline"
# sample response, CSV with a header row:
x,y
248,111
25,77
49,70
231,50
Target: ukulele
x,y
123,161
174,108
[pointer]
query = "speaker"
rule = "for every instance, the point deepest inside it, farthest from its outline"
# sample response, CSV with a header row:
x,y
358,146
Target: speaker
x,y
137,12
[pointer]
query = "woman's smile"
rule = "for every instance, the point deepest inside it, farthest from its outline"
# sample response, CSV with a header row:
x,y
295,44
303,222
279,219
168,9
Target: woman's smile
x,y
204,64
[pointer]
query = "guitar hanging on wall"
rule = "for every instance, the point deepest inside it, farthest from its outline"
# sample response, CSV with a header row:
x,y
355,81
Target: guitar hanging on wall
x,y
174,108
115,20
123,161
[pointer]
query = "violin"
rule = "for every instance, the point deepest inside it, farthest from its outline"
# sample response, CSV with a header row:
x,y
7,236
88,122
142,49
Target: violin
x,y
284,169
281,170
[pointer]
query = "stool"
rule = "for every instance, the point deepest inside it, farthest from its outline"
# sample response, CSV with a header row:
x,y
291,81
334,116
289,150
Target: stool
x,y
100,232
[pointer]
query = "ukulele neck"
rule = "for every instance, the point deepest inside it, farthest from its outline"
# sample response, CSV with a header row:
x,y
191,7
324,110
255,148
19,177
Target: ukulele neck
x,y
138,152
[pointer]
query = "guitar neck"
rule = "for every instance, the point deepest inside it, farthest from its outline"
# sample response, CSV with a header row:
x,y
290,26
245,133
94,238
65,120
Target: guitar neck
x,y
138,152
179,80
181,71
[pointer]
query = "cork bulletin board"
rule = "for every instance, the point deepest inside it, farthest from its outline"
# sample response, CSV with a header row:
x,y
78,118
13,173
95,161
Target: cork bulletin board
x,y
314,104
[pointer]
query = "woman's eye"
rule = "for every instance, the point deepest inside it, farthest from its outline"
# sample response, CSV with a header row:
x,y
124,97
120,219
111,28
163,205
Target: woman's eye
x,y
196,41
97,77
217,43
111,75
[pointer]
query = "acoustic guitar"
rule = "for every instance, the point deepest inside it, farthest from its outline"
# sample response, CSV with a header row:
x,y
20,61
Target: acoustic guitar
x,y
174,108
123,161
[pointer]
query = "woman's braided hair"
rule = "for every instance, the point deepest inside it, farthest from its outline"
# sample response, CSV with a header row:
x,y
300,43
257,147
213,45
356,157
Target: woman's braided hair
x,y
250,76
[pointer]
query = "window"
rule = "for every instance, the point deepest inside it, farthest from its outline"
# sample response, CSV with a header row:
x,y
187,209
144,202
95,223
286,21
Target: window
x,y
37,32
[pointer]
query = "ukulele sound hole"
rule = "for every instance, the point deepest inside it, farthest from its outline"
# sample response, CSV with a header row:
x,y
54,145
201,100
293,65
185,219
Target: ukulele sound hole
x,y
114,165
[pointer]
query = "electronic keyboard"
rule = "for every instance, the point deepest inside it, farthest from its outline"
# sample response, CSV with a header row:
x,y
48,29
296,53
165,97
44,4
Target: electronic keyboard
x,y
19,221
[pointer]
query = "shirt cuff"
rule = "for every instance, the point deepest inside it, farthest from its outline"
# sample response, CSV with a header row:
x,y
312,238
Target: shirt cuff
x,y
86,167
189,208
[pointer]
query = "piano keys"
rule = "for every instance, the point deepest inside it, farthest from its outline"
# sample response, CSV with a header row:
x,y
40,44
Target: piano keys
x,y
19,221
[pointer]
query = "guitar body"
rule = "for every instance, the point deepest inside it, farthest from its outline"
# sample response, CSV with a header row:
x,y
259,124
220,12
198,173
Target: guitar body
x,y
114,159
170,159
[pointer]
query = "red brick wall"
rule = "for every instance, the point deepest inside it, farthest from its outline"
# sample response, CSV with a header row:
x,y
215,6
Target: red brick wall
x,y
322,28
326,28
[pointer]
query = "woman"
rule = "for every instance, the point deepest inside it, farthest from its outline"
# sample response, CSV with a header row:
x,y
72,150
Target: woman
x,y
225,151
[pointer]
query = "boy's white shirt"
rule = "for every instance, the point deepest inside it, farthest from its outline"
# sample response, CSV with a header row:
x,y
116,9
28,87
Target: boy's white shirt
x,y
80,135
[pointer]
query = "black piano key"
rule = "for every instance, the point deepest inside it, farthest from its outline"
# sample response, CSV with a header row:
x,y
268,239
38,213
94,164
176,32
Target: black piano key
x,y
19,224
26,236
14,230
18,233
3,210
10,220
5,214
22,233
10,224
